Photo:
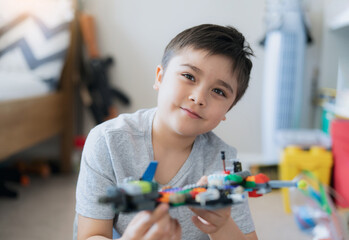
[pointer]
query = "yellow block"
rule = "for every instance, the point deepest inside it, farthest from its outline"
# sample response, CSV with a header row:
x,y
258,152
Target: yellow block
x,y
294,160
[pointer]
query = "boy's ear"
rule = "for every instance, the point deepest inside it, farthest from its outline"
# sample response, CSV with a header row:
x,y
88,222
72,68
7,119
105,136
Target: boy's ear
x,y
159,76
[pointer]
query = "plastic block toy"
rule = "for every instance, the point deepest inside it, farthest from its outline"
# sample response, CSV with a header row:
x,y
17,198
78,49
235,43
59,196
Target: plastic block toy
x,y
294,160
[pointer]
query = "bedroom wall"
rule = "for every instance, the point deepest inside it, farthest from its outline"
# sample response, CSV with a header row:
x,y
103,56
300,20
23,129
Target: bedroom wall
x,y
135,33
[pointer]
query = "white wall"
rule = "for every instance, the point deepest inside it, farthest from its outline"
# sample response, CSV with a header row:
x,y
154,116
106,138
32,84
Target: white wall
x,y
135,33
331,47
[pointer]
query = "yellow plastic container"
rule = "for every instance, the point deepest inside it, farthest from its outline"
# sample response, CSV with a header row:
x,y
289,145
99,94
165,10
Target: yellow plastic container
x,y
294,160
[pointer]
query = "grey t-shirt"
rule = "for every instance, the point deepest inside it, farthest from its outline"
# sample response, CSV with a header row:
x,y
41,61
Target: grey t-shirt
x,y
122,147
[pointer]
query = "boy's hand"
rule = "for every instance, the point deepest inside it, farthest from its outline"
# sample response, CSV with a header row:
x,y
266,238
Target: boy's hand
x,y
202,181
153,225
210,221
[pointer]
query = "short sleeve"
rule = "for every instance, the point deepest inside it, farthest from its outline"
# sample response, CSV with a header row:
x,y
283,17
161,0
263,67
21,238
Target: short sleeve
x,y
96,175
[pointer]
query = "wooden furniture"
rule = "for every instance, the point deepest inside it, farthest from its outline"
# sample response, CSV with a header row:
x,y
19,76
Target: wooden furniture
x,y
29,121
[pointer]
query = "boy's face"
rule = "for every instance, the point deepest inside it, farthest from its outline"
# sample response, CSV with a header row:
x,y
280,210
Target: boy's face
x,y
195,92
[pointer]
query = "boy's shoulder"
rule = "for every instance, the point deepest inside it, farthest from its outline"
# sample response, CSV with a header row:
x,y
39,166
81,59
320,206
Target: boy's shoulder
x,y
208,148
211,142
211,138
135,123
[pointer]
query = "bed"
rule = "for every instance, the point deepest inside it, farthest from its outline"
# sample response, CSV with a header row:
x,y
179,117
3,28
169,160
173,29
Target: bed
x,y
26,122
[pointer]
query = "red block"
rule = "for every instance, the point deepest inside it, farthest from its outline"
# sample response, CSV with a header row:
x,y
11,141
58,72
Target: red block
x,y
340,150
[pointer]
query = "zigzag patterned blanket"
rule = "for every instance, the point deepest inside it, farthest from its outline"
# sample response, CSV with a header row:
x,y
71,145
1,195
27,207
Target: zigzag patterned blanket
x,y
34,38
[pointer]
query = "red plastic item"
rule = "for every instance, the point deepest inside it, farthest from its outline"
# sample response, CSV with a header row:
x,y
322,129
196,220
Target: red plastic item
x,y
254,194
261,178
340,150
196,191
79,142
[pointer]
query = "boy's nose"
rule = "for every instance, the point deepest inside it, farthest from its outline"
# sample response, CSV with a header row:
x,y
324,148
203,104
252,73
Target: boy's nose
x,y
197,99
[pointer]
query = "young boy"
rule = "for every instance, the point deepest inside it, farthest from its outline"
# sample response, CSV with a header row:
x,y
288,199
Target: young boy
x,y
204,72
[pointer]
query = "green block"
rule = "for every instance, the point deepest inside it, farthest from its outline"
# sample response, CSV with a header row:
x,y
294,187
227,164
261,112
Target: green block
x,y
249,185
234,178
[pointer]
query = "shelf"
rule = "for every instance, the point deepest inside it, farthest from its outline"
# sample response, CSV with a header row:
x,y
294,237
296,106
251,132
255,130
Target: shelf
x,y
339,111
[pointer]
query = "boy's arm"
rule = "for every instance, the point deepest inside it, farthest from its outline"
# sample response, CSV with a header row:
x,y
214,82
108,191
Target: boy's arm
x,y
89,228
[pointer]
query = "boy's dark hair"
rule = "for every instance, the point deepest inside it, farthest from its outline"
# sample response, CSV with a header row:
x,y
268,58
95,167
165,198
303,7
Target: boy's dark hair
x,y
216,39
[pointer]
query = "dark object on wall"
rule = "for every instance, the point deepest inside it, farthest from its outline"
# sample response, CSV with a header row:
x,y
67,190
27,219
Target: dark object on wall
x,y
101,93
97,93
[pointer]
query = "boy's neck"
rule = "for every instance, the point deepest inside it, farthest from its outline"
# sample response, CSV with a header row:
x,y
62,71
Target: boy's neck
x,y
170,149
168,140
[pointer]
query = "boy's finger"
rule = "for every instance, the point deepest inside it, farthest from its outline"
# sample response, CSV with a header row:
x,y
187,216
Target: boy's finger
x,y
209,216
177,231
202,181
172,226
223,212
202,212
140,223
203,226
159,229
145,219
159,212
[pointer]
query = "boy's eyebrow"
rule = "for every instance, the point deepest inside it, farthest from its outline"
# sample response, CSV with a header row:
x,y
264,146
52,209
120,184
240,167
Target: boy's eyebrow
x,y
226,85
198,70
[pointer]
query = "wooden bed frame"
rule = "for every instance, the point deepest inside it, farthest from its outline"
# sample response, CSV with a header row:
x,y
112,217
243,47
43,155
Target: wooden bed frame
x,y
29,121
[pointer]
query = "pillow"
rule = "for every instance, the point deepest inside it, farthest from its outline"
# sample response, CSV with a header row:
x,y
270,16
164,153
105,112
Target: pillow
x,y
34,39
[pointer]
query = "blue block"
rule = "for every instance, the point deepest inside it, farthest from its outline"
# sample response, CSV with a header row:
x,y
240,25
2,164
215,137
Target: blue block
x,y
150,172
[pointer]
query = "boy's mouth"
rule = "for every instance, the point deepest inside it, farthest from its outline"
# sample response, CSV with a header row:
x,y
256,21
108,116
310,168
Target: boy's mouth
x,y
191,113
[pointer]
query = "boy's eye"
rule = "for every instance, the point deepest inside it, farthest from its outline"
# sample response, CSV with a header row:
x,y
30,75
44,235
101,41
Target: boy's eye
x,y
189,76
219,91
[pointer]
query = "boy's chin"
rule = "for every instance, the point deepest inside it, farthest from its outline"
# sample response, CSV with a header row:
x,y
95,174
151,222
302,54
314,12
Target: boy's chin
x,y
189,131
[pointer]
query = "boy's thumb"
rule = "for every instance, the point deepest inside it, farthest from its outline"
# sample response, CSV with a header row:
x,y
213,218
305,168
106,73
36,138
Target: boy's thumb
x,y
202,181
